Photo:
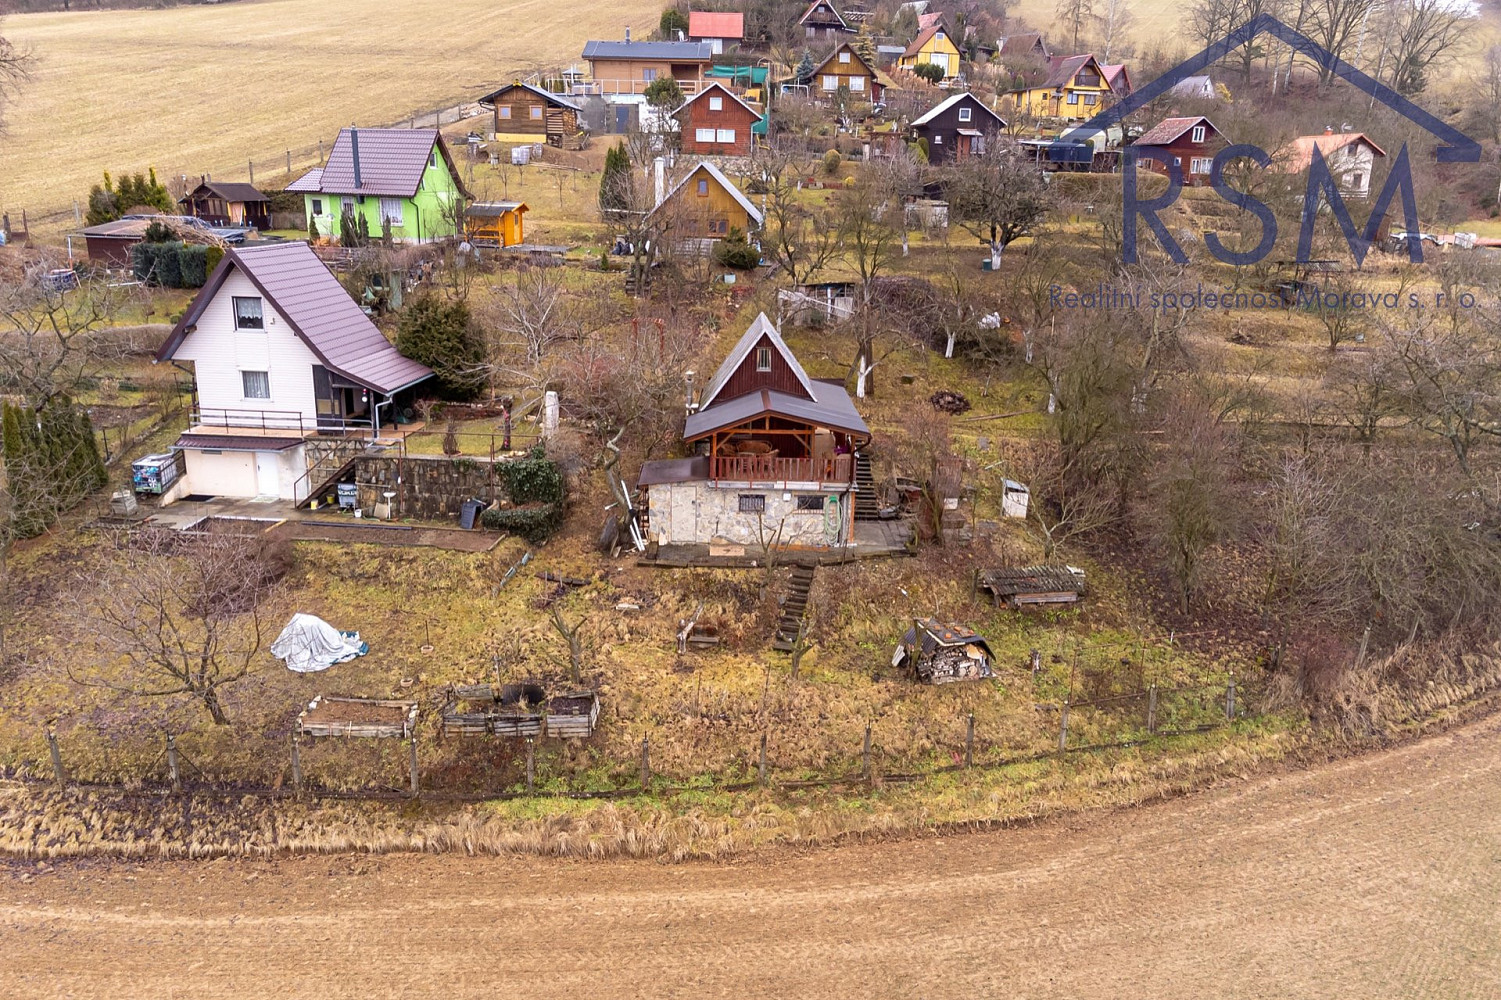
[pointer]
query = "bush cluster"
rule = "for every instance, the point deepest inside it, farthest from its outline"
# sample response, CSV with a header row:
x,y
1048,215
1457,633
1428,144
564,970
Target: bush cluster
x,y
175,264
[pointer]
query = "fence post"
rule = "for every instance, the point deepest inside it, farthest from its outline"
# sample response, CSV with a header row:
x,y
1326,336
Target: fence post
x,y
531,765
296,765
320,151
251,165
969,740
1365,641
761,765
1036,661
645,764
1152,709
172,763
865,755
1230,700
289,162
58,774
1063,728
416,788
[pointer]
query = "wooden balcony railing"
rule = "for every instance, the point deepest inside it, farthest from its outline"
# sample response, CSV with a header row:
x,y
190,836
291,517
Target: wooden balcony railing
x,y
769,469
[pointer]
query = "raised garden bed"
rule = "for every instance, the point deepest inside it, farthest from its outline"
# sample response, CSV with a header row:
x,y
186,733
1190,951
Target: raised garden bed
x,y
573,715
364,717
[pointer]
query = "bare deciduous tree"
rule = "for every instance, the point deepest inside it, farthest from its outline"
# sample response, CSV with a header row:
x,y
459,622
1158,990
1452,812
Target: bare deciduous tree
x,y
800,238
186,615
998,195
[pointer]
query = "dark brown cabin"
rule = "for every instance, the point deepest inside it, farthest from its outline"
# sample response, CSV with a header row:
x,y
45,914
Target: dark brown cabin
x,y
226,203
957,128
522,109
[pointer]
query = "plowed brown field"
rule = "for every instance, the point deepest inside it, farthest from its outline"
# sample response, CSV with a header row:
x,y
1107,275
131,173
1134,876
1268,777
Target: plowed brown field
x,y
1373,877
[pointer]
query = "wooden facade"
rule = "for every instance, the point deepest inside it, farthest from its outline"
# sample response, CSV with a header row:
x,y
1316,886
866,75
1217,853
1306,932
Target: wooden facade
x,y
495,223
717,123
228,204
702,205
822,21
844,69
522,110
957,128
1191,142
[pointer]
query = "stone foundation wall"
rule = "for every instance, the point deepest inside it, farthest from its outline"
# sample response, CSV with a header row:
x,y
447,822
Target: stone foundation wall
x,y
698,513
430,488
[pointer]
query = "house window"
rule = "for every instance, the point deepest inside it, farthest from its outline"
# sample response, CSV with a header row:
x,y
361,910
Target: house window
x,y
1177,161
317,206
703,188
648,74
703,135
752,503
1089,99
844,57
257,384
966,114
390,211
248,314
716,104
724,135
1073,98
505,112
347,206
857,84
432,158
938,140
763,359
536,114
810,503
830,82
1201,165
1198,133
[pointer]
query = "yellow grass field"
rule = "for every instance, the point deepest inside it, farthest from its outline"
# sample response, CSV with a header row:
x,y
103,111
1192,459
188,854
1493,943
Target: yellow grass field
x,y
199,89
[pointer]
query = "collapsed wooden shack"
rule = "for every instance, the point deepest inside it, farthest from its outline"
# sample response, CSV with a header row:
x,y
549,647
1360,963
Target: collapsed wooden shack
x,y
371,718
943,652
518,710
1034,585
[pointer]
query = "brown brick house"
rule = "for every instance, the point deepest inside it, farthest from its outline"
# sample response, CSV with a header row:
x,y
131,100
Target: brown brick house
x,y
717,123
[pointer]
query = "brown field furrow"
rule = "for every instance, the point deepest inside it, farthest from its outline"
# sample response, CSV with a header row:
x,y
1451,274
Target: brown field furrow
x,y
1374,877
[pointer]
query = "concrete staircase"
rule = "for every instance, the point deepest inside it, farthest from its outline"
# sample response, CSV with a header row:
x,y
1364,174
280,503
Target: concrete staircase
x,y
793,609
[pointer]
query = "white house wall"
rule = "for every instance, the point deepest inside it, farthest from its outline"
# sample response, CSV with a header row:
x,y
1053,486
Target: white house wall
x,y
697,513
220,353
232,473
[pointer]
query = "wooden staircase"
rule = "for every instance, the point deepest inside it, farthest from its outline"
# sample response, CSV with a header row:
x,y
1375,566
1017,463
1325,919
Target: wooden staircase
x,y
867,506
793,609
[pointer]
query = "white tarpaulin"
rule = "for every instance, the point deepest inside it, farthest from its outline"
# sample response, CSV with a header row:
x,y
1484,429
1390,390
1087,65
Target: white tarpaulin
x,y
309,643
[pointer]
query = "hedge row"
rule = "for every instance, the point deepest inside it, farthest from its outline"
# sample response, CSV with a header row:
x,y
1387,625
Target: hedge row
x,y
534,523
174,265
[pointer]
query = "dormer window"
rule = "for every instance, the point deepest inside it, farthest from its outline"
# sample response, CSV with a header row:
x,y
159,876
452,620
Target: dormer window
x,y
763,359
248,315
1198,133
716,104
965,114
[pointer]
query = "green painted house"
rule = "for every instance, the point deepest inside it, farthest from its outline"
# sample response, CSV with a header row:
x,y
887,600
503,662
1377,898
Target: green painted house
x,y
404,178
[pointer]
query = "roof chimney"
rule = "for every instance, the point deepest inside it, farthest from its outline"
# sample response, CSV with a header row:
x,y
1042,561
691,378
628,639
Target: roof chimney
x,y
627,34
354,152
1328,129
660,167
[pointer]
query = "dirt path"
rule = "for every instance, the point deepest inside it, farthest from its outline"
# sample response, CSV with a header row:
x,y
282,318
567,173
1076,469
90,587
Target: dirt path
x,y
1373,878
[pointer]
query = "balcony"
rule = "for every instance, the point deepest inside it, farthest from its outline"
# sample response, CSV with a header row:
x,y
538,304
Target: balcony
x,y
610,87
283,422
770,469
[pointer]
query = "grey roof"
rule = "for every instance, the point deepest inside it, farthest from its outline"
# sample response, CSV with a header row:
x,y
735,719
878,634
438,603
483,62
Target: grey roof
x,y
760,327
494,209
301,288
392,161
1010,581
831,408
943,106
236,442
228,190
723,181
688,51
489,99
673,470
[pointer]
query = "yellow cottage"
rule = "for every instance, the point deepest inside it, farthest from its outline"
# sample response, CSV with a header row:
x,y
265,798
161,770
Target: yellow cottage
x,y
706,205
1077,88
932,45
495,223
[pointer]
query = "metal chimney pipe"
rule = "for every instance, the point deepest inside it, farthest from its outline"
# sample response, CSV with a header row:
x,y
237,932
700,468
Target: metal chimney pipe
x,y
354,152
627,33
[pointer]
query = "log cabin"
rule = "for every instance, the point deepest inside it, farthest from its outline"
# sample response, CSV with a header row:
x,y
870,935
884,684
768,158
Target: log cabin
x,y
523,113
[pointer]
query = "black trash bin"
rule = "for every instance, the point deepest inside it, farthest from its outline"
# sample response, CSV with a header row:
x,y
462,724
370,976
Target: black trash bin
x,y
469,514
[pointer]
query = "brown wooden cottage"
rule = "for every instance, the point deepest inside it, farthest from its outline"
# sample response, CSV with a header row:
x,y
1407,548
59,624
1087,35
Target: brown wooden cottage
x,y
772,458
524,111
227,203
823,22
957,128
1189,142
717,123
845,69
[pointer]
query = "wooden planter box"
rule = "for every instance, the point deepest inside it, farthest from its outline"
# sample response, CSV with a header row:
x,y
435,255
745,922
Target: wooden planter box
x,y
516,722
573,716
364,717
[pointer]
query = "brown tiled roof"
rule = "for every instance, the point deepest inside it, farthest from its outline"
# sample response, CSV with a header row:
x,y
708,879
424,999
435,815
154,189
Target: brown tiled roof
x,y
229,191
1169,129
300,287
1061,69
1297,155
